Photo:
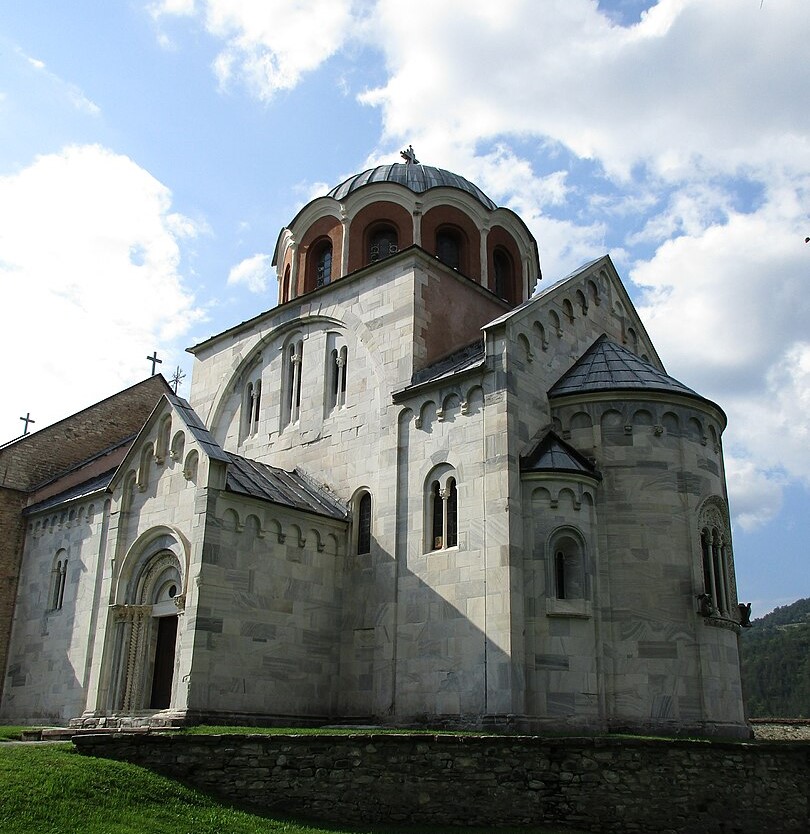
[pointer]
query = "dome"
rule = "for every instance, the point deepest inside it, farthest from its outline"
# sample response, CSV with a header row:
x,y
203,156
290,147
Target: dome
x,y
416,177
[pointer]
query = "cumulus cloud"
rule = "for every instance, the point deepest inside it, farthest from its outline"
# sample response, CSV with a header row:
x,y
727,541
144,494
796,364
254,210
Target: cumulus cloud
x,y
669,115
269,46
90,257
253,273
728,306
692,87
757,494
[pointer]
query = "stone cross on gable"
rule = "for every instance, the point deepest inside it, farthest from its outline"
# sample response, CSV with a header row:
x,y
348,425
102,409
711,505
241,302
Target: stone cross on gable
x,y
154,360
27,419
409,156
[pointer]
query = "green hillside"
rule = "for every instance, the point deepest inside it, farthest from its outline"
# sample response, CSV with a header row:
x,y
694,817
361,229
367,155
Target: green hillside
x,y
775,656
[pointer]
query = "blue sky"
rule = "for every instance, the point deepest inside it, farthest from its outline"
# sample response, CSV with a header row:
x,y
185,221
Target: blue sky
x,y
150,152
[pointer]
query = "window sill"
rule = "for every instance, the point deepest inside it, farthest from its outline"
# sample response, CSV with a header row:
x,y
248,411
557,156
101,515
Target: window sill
x,y
575,608
716,621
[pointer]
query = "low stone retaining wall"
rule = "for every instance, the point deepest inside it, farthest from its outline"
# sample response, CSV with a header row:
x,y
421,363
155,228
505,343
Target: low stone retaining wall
x,y
596,784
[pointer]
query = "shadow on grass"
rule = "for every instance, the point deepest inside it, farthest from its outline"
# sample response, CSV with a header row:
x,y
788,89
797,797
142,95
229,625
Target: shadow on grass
x,y
52,789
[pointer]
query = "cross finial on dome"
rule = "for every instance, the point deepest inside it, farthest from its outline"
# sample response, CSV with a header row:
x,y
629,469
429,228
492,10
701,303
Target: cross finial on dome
x,y
409,156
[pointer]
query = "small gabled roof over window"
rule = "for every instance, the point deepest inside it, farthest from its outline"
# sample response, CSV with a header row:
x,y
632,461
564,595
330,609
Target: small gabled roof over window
x,y
551,454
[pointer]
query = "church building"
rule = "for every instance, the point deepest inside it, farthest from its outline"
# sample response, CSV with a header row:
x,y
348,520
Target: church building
x,y
424,490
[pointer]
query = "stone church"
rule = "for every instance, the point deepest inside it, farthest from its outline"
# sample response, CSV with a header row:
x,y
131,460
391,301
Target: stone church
x,y
422,490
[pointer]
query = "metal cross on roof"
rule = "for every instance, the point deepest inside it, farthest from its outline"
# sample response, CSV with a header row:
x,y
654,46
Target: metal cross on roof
x,y
154,360
409,156
27,419
177,378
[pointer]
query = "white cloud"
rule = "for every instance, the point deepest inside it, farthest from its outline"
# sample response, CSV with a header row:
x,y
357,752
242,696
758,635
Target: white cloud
x,y
269,46
692,87
70,91
756,495
253,273
727,306
89,264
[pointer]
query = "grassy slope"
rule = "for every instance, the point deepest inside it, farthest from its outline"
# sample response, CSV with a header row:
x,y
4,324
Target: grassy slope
x,y
51,789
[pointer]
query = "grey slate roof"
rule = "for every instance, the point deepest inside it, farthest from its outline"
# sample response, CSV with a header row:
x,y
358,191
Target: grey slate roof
x,y
289,489
96,484
463,359
551,454
198,429
417,178
606,366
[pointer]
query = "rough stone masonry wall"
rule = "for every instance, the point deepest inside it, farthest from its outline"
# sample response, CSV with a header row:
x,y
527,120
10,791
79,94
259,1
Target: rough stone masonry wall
x,y
597,784
11,523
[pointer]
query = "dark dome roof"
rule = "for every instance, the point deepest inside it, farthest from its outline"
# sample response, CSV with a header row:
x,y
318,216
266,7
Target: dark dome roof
x,y
417,177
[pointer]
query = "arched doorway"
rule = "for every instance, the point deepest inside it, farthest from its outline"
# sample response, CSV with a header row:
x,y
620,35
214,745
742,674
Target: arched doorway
x,y
147,634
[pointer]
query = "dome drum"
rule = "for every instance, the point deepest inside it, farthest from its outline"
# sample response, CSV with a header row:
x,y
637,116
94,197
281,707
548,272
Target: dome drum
x,y
379,212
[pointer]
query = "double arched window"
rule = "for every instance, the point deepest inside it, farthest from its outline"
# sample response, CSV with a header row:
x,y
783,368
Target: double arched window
x,y
442,509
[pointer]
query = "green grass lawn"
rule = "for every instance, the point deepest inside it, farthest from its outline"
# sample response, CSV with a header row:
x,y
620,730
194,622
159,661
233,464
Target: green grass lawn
x,y
51,789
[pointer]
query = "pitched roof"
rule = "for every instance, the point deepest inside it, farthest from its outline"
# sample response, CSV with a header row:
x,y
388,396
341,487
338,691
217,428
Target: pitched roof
x,y
551,454
463,359
197,428
289,489
99,483
606,366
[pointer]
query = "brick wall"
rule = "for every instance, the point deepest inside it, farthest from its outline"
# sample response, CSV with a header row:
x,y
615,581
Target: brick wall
x,y
599,784
50,451
46,454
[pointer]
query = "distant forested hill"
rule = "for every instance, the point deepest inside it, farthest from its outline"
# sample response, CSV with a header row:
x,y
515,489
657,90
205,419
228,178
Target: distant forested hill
x,y
775,655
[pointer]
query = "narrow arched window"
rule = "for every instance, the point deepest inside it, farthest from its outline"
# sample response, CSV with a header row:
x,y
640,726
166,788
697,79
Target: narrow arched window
x,y
257,404
286,285
448,247
58,580
567,571
247,410
451,524
323,264
364,524
504,272
559,574
382,243
438,516
337,358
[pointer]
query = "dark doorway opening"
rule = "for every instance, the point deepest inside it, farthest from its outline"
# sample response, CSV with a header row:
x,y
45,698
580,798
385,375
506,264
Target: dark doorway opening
x,y
164,663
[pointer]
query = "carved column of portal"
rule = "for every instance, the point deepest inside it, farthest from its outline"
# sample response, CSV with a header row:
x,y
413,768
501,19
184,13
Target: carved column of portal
x,y
133,619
